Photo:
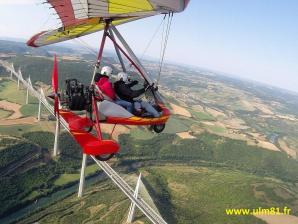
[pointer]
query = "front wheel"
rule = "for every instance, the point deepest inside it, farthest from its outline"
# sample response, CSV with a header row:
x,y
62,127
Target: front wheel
x,y
158,128
104,157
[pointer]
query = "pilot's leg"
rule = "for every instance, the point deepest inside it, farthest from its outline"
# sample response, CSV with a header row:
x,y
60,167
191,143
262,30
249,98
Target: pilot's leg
x,y
137,108
150,109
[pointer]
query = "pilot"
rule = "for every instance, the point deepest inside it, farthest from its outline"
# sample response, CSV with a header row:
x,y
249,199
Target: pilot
x,y
123,90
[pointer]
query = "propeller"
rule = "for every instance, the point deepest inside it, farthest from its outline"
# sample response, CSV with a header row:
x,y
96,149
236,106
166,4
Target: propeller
x,y
55,86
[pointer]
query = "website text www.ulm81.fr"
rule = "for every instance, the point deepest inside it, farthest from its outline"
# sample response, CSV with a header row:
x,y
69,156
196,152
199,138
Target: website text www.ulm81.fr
x,y
259,211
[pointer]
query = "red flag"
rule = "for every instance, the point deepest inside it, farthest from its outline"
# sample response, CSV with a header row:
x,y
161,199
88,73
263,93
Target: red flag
x,y
55,85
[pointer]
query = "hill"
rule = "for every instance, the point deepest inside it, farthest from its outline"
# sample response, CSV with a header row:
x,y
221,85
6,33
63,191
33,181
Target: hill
x,y
13,47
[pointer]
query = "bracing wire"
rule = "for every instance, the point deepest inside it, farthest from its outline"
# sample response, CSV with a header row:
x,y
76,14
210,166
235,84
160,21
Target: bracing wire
x,y
152,38
164,43
85,45
162,47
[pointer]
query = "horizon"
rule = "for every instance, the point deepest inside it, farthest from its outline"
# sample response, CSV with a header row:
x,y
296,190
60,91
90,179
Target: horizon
x,y
155,59
244,39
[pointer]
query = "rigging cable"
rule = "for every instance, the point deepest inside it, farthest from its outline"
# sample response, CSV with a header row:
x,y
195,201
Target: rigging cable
x,y
85,45
153,36
151,39
165,42
162,41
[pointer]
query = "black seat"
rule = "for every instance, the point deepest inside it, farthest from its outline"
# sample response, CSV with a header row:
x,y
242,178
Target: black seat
x,y
77,103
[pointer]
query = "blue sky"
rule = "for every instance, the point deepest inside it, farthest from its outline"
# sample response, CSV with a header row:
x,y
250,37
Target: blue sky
x,y
256,39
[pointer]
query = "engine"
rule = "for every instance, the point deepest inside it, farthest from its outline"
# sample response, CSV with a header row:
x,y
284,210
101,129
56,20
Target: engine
x,y
76,96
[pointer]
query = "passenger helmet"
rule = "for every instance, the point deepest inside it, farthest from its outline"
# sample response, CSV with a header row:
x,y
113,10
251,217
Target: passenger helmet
x,y
106,70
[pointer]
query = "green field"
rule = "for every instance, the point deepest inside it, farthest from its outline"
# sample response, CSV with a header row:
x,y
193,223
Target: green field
x,y
174,125
215,129
9,91
19,130
5,113
66,178
177,124
29,110
142,133
202,116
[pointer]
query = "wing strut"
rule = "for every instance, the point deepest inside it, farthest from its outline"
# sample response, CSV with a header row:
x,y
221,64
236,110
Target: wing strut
x,y
100,52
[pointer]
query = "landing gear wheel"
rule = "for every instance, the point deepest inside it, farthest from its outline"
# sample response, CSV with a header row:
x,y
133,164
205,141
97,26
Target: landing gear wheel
x,y
158,128
105,157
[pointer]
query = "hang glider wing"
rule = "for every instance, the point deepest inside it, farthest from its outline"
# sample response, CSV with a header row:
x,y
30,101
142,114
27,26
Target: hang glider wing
x,y
82,17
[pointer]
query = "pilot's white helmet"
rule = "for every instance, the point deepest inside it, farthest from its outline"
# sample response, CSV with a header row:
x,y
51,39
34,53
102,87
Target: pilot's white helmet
x,y
106,70
123,76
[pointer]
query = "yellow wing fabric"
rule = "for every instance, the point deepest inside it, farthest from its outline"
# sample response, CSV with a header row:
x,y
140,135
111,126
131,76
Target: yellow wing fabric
x,y
117,6
82,17
71,32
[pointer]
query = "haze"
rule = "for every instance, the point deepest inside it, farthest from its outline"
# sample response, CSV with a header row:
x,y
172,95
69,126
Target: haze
x,y
253,39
